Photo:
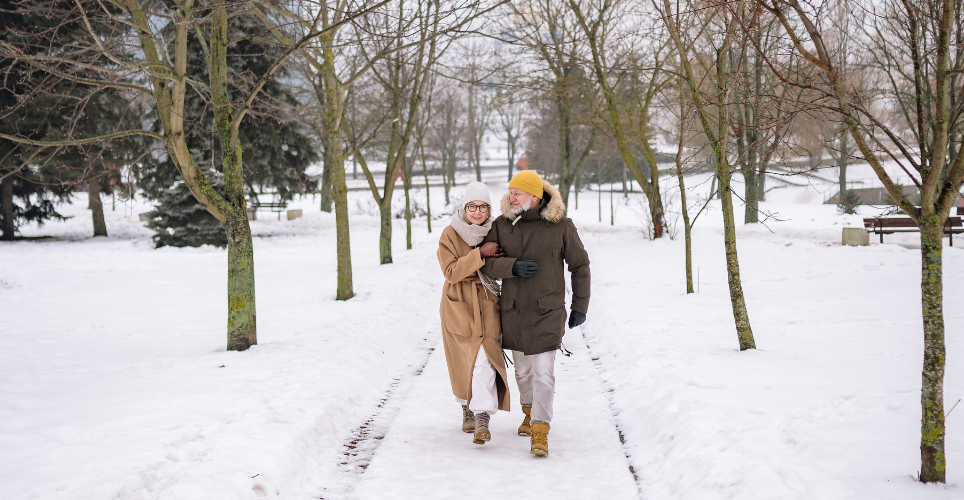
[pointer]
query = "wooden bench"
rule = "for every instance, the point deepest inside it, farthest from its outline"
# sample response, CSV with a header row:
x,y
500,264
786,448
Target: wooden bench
x,y
889,225
274,206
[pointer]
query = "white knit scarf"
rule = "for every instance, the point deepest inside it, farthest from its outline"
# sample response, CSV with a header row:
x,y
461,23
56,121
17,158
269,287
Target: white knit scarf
x,y
473,235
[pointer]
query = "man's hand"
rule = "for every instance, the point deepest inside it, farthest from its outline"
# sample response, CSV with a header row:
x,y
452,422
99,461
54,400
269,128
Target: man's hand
x,y
524,268
576,318
491,249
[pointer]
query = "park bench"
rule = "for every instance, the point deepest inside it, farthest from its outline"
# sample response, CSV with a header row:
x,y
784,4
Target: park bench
x,y
274,206
889,225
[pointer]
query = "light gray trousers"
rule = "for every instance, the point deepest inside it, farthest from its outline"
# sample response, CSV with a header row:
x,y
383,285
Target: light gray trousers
x,y
536,378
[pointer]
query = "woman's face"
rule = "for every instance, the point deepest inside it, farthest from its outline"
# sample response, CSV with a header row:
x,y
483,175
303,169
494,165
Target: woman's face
x,y
477,212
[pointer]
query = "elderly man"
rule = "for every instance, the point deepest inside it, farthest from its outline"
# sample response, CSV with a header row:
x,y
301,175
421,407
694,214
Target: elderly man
x,y
536,237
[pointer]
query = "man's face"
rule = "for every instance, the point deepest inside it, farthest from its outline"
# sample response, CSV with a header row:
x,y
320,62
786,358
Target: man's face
x,y
519,200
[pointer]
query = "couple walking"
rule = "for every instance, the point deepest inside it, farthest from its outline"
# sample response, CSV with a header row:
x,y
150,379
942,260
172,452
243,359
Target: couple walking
x,y
525,247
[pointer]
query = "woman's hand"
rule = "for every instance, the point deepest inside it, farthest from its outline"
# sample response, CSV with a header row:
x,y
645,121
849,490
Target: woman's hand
x,y
491,249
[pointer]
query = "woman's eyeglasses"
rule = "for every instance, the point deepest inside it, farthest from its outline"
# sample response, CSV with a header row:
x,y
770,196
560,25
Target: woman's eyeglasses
x,y
472,207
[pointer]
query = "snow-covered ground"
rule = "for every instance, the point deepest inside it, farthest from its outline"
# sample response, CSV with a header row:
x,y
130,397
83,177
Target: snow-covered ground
x,y
114,382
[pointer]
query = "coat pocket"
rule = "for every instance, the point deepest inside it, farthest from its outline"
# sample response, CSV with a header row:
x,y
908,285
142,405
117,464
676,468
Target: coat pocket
x,y
457,317
549,322
550,303
506,304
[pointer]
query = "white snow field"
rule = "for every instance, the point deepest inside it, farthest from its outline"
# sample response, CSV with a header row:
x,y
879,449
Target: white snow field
x,y
114,382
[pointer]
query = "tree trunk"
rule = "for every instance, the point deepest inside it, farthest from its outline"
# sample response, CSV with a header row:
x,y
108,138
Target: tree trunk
x,y
428,190
242,320
326,196
932,384
385,234
6,205
612,207
682,198
599,187
478,162
408,212
510,151
842,163
625,191
564,191
577,191
565,136
740,315
761,183
96,207
687,237
656,208
450,175
751,213
339,194
339,191
473,133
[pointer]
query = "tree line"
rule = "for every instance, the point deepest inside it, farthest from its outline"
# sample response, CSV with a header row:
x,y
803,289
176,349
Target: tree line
x,y
215,101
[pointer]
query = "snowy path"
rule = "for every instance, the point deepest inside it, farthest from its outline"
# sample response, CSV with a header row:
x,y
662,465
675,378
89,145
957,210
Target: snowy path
x,y
426,455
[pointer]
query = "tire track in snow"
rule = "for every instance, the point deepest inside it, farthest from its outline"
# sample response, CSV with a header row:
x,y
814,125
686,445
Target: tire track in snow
x,y
360,448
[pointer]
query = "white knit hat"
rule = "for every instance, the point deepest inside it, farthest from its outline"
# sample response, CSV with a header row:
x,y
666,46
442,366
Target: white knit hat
x,y
476,191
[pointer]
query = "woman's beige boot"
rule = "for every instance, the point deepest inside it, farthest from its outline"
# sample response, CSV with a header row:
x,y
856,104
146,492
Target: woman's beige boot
x,y
468,419
540,439
526,428
481,429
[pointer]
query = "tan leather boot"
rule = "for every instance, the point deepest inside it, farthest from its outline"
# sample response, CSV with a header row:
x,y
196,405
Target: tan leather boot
x,y
540,439
526,429
468,420
482,433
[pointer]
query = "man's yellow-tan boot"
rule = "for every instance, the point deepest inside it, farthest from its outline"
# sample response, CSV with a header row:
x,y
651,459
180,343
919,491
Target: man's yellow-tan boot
x,y
526,428
540,439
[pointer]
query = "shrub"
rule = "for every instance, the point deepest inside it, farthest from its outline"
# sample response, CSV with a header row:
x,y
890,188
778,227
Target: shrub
x,y
849,202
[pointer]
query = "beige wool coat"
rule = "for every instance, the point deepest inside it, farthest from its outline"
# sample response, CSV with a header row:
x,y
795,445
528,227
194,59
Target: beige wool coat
x,y
470,317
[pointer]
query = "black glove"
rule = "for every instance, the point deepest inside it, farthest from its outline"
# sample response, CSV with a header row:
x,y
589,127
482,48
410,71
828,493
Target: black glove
x,y
524,268
576,318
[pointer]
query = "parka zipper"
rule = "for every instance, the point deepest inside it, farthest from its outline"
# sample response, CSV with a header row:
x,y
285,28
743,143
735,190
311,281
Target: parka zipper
x,y
554,280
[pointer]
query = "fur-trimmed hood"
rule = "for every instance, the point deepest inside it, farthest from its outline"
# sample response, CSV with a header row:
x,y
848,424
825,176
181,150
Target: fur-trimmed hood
x,y
553,209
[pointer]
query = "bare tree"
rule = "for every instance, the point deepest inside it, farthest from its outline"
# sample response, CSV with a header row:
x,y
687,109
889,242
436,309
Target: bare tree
x,y
763,113
599,20
448,124
511,112
918,46
718,26
549,31
403,76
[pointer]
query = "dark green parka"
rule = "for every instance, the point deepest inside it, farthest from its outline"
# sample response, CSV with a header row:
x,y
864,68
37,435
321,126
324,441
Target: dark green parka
x,y
533,308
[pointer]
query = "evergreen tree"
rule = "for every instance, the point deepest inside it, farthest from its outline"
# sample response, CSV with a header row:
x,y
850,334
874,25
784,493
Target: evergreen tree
x,y
275,155
180,221
36,105
276,150
24,193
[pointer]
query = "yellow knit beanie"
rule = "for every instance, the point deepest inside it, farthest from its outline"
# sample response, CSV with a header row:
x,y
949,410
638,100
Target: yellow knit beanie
x,y
528,181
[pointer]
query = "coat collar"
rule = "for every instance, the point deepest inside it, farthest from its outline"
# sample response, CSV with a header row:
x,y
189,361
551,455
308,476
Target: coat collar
x,y
552,209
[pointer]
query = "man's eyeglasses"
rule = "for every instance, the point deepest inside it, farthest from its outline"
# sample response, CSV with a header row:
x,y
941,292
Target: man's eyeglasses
x,y
472,207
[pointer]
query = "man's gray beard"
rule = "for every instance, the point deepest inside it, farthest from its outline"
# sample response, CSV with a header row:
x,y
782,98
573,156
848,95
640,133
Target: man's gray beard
x,y
517,210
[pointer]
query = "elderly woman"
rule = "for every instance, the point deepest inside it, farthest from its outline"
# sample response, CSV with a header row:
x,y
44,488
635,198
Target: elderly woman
x,y
471,322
